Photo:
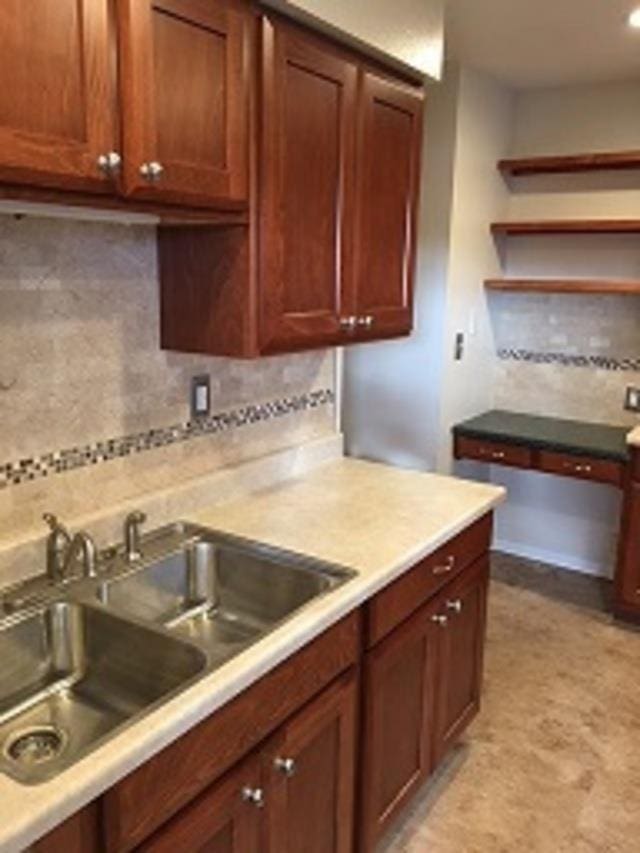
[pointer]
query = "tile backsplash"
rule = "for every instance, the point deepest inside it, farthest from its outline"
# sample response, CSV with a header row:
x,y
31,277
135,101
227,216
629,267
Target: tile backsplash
x,y
566,355
83,379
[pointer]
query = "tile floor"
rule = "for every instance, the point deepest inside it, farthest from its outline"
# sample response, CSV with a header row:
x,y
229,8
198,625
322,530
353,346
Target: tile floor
x,y
552,764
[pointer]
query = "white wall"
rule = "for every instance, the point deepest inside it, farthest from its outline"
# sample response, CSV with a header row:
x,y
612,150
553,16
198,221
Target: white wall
x,y
569,523
479,196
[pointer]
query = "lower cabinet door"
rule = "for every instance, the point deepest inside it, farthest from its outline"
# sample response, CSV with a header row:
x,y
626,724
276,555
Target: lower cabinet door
x,y
227,818
310,768
461,620
399,702
628,572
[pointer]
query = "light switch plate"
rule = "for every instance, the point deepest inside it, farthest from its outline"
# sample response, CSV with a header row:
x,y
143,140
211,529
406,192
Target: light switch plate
x,y
632,399
200,397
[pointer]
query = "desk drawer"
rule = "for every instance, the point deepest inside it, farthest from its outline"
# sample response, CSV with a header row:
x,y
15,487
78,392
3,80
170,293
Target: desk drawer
x,y
495,452
410,591
582,467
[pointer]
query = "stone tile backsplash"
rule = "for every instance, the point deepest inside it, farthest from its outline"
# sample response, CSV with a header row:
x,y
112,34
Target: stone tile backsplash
x,y
80,365
566,355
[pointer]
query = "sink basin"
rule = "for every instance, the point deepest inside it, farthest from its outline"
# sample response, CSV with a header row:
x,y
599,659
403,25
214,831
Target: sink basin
x,y
220,592
71,675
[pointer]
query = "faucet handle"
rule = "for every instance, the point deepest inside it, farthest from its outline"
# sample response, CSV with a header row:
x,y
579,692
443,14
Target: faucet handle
x,y
132,524
51,519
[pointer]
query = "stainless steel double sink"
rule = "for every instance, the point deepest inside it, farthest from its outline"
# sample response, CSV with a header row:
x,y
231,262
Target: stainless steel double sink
x,y
77,669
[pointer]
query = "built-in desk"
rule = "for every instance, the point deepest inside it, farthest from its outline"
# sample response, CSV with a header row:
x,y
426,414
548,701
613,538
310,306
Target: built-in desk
x,y
568,448
587,451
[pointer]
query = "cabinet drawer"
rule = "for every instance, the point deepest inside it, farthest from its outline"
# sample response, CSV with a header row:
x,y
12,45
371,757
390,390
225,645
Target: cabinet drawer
x,y
399,600
582,467
493,451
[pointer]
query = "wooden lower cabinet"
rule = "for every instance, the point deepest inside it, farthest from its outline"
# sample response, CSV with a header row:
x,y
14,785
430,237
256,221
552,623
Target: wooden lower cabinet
x,y
460,656
422,689
295,793
310,775
627,580
399,699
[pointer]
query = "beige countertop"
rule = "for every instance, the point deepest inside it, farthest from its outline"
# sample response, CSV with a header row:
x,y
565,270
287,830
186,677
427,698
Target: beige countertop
x,y
372,518
633,438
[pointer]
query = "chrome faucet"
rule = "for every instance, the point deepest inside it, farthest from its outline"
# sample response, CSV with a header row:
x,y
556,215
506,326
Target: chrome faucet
x,y
58,544
132,523
64,552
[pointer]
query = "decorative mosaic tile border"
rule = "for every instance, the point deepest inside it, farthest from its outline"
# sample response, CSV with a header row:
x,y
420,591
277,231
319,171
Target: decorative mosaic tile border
x,y
602,362
24,470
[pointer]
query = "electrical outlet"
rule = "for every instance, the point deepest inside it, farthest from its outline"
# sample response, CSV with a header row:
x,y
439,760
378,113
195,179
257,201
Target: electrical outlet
x,y
632,399
200,397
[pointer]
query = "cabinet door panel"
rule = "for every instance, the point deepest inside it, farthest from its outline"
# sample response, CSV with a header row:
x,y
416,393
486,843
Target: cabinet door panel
x,y
388,168
311,806
57,108
185,100
461,649
627,581
307,151
398,715
220,820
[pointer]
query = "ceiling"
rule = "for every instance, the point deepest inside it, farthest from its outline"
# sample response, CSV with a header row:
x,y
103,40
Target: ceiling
x,y
529,43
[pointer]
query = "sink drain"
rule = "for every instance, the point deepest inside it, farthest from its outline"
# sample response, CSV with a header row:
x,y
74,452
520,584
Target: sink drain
x,y
35,745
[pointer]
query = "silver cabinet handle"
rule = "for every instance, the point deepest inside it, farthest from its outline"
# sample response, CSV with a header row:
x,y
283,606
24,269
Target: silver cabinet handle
x,y
253,796
579,469
455,605
152,171
498,454
348,323
110,163
287,766
445,567
440,619
366,321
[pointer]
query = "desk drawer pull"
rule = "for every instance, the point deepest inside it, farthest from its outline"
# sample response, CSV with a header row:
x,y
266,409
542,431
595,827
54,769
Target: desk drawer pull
x,y
446,567
579,469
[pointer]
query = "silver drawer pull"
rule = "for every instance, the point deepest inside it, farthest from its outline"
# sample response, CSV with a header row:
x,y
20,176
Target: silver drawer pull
x,y
253,796
440,619
287,766
498,454
446,567
579,469
455,605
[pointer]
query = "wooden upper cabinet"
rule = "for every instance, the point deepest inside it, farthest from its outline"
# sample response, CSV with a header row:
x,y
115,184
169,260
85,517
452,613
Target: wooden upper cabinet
x,y
388,179
184,67
311,770
307,151
460,655
57,108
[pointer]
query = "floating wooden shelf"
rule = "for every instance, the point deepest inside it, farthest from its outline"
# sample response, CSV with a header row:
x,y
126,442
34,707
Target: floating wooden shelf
x,y
571,163
568,226
571,285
